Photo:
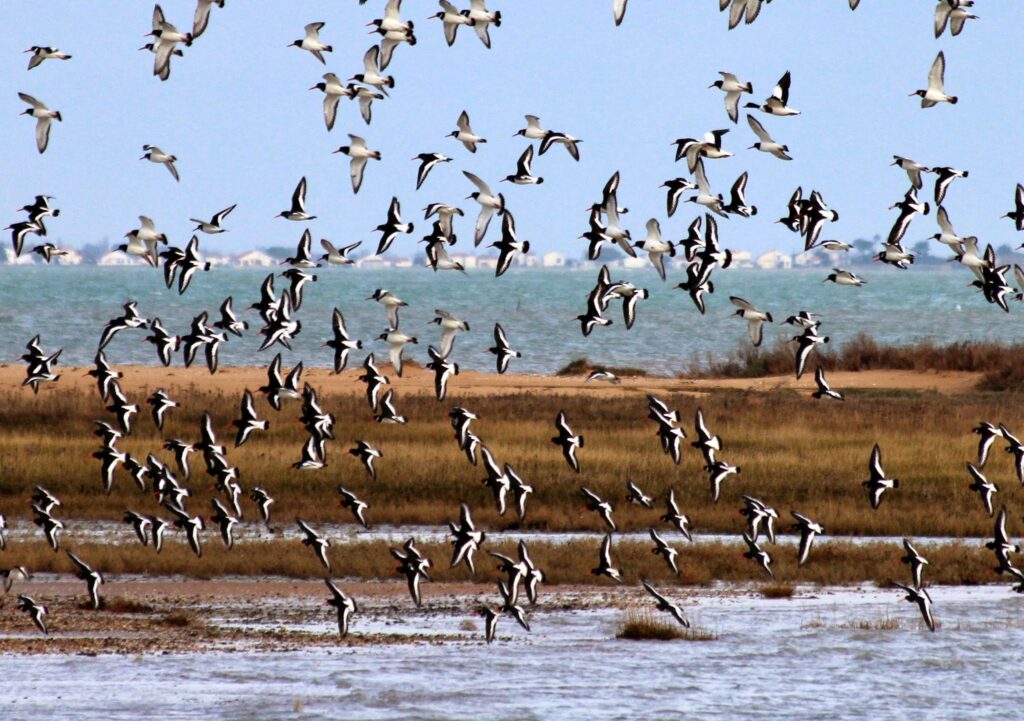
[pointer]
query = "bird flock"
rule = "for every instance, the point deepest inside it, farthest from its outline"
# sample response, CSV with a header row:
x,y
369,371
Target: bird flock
x,y
702,248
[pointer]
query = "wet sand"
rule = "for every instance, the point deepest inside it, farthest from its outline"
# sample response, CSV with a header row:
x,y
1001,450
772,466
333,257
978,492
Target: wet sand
x,y
233,380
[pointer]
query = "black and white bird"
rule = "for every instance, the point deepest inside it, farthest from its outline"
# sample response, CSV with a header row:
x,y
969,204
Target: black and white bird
x,y
160,403
297,212
944,176
824,390
228,320
707,443
524,174
844,277
1017,214
879,482
93,579
604,564
501,349
371,74
334,90
983,486
547,138
451,18
987,434
43,116
757,514
167,38
225,522
359,153
366,454
936,91
393,30
675,517
755,553
764,141
212,226
508,245
568,441
755,318
354,504
35,611
344,605
311,42
248,421
340,341
809,530
39,54
663,549
1016,449
913,170
465,134
191,525
155,155
663,604
278,388
593,502
805,343
919,595
733,89
314,540
778,102
466,540
11,576
489,204
637,497
392,227
387,411
655,247
955,14
737,204
427,162
482,19
717,473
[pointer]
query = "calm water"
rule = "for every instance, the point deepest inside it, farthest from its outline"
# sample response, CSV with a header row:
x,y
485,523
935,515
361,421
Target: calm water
x,y
68,307
773,659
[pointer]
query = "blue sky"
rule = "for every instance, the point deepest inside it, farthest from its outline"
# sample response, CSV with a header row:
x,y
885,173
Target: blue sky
x,y
238,114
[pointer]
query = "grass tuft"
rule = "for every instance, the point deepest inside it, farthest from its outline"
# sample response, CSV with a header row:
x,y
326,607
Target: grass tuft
x,y
778,590
644,625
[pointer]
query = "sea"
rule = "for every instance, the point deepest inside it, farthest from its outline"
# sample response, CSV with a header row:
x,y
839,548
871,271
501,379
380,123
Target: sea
x,y
68,306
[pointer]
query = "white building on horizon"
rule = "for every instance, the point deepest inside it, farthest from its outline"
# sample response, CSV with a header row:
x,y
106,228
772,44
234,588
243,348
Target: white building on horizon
x,y
773,260
254,259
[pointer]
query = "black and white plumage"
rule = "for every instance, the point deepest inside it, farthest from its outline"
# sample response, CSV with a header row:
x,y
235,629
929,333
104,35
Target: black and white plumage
x,y
733,89
663,549
809,530
344,605
278,388
354,504
39,54
35,611
248,421
160,403
489,204
225,522
465,134
663,604
755,553
717,473
263,501
805,343
984,487
675,517
755,318
387,411
593,502
935,93
390,229
604,564
707,442
359,153
501,349
466,540
192,526
778,102
443,369
508,245
568,441
11,576
987,434
944,176
524,174
824,390
311,42
92,578
637,497
366,454
314,540
427,162
917,594
737,204
451,18
1016,449
297,211
764,141
43,116
879,481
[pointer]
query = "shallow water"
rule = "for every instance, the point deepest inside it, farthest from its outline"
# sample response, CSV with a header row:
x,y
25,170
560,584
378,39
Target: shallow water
x,y
536,307
772,659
